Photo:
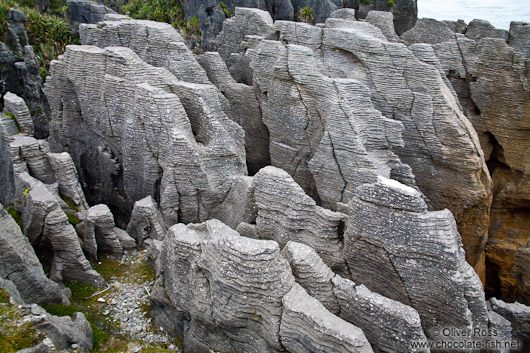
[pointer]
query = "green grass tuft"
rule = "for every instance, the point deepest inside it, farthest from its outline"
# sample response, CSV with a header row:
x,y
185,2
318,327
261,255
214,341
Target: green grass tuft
x,y
17,216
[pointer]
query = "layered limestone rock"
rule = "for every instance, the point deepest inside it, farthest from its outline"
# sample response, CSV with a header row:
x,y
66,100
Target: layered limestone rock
x,y
20,265
519,317
324,131
227,289
156,43
312,274
45,222
66,174
16,106
323,331
31,155
395,247
146,221
285,212
490,80
390,326
64,331
305,111
244,110
238,32
129,105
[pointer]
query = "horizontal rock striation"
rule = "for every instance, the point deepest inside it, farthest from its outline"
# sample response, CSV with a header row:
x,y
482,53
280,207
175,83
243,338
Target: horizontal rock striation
x,y
390,326
114,113
285,212
20,265
16,106
312,274
308,327
228,289
45,222
146,221
395,247
487,70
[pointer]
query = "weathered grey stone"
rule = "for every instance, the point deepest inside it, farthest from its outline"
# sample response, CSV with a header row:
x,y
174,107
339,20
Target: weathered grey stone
x,y
86,11
104,230
519,316
384,21
478,29
64,331
239,205
245,22
502,330
312,274
40,348
421,100
12,291
8,128
227,289
20,265
458,26
286,213
428,30
115,122
45,221
66,175
146,221
33,153
126,241
394,246
16,106
390,326
317,123
244,110
156,43
345,14
17,34
308,327
519,37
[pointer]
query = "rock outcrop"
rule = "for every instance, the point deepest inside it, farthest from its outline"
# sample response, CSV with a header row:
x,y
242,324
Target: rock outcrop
x,y
146,221
16,106
20,265
519,317
490,80
395,247
45,222
227,289
312,274
64,331
325,332
305,111
20,72
390,326
285,212
115,111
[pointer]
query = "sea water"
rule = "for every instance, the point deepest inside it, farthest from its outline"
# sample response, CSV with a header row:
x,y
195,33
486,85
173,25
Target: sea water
x,y
498,12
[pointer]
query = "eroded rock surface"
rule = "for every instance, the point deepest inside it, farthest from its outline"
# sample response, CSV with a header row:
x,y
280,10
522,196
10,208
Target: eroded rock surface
x,y
491,82
325,332
20,265
397,248
114,117
285,212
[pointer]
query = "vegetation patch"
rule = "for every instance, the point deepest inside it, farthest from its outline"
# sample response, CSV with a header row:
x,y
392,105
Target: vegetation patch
x,y
169,11
306,14
17,216
14,336
48,33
